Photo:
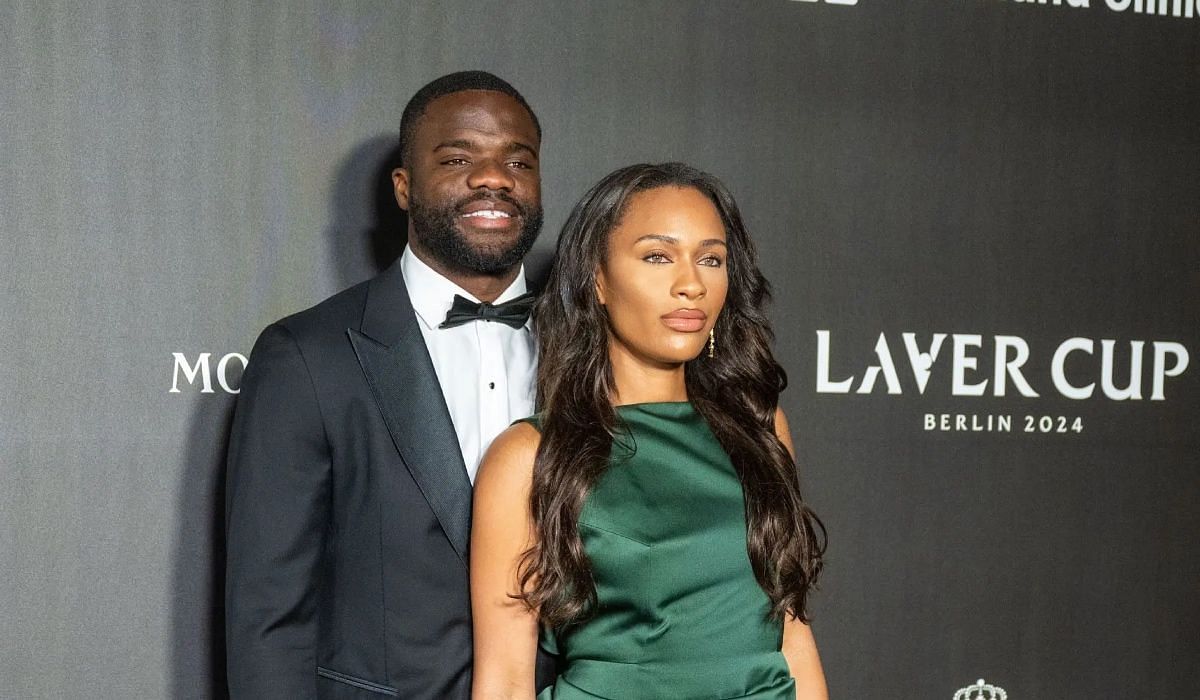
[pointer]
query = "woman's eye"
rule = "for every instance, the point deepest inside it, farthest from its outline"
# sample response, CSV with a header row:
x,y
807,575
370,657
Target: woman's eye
x,y
712,262
656,258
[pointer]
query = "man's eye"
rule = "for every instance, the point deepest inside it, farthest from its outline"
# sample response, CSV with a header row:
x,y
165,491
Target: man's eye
x,y
519,164
455,161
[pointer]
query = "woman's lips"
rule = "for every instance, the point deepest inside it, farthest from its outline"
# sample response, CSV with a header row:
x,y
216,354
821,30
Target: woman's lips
x,y
685,320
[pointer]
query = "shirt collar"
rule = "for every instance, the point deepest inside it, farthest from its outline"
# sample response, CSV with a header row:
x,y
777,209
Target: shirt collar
x,y
432,295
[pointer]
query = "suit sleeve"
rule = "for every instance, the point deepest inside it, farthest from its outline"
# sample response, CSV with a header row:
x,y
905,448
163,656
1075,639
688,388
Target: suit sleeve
x,y
277,514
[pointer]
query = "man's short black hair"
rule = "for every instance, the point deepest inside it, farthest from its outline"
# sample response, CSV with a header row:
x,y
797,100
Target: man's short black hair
x,y
448,85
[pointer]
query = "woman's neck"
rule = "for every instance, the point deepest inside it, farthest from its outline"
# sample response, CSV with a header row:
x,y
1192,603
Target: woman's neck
x,y
640,381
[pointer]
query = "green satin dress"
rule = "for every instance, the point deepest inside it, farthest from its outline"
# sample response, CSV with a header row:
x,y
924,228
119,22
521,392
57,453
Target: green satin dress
x,y
680,613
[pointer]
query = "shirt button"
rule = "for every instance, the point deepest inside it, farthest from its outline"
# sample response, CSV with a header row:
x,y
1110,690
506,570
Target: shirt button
x,y
491,385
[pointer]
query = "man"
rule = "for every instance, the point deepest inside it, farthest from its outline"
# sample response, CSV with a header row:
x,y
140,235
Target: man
x,y
362,420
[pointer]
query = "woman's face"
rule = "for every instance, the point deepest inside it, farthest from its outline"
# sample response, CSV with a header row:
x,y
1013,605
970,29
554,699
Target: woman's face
x,y
664,278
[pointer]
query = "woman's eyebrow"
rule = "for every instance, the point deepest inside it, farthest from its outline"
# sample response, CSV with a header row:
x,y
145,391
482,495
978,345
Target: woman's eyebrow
x,y
664,238
658,237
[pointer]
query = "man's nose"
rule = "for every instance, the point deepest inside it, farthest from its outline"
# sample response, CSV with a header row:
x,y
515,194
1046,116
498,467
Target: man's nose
x,y
492,175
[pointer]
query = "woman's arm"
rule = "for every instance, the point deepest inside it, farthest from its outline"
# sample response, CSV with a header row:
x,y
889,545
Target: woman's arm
x,y
799,646
506,632
800,650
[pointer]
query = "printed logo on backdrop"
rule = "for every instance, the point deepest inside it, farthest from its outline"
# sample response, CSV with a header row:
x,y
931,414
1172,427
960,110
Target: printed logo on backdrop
x,y
1135,370
1184,9
227,371
981,691
1180,9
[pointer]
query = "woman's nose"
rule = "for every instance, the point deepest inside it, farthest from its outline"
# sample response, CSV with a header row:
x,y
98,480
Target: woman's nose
x,y
688,284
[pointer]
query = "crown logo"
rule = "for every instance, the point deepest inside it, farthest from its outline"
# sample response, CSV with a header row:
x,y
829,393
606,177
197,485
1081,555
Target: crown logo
x,y
981,691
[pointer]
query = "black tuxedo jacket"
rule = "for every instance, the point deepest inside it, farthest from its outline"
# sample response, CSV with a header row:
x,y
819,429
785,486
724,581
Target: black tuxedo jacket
x,y
348,511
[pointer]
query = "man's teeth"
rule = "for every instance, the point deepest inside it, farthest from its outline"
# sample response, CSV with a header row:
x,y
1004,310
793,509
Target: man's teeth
x,y
487,214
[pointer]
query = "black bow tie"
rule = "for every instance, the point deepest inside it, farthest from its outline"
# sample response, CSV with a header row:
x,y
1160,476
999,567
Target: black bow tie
x,y
514,312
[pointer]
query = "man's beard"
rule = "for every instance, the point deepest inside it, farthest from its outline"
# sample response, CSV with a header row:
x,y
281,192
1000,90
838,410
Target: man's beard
x,y
437,227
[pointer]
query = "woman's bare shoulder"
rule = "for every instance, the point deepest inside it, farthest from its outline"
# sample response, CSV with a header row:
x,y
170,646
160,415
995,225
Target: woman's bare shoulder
x,y
510,456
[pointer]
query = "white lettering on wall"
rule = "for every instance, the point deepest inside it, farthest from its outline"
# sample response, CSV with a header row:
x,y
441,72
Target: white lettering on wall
x,y
1134,390
824,386
922,362
222,375
1161,350
1058,374
1177,8
202,368
1011,368
189,373
1160,8
962,363
886,365
1009,356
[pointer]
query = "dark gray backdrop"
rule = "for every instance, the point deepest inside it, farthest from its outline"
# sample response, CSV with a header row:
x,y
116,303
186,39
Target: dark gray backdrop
x,y
177,175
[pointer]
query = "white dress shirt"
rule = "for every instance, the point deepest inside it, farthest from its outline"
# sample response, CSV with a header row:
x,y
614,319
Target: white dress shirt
x,y
486,369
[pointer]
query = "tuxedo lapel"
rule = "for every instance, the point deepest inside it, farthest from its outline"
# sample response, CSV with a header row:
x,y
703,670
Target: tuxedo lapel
x,y
396,363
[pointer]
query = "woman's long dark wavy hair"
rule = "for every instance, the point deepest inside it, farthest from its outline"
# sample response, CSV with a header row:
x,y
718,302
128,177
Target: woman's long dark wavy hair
x,y
736,391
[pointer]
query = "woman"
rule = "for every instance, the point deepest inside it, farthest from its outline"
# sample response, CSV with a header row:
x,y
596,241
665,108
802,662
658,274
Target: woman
x,y
616,520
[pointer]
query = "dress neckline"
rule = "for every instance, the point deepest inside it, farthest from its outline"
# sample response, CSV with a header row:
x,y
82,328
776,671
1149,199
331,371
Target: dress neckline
x,y
650,405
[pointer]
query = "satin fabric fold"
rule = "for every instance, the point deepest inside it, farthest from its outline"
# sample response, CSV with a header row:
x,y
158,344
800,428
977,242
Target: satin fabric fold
x,y
680,612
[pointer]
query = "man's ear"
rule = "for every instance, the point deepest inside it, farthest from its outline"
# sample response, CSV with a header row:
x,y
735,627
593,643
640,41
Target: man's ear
x,y
400,185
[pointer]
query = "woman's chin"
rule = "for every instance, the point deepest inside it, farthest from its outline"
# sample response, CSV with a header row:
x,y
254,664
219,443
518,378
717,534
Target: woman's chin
x,y
667,352
680,355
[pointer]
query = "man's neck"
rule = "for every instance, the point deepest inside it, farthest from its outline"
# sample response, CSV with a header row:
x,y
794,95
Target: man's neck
x,y
482,286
